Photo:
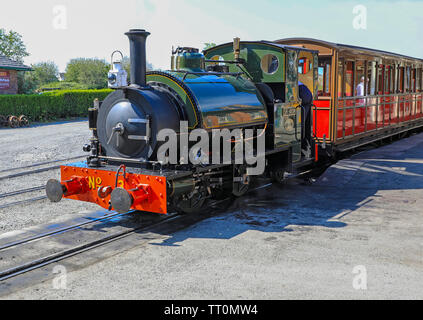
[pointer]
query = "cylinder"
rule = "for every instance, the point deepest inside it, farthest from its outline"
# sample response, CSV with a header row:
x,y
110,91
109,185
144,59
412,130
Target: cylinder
x,y
137,39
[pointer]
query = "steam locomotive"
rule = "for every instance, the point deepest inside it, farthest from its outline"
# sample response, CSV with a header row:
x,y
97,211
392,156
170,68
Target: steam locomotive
x,y
242,94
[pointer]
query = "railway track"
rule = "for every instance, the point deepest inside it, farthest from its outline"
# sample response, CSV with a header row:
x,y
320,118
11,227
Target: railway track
x,y
44,260
61,230
58,256
20,192
29,172
11,204
41,164
34,171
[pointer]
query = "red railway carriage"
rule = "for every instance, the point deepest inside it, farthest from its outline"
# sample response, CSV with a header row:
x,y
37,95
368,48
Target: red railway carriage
x,y
364,94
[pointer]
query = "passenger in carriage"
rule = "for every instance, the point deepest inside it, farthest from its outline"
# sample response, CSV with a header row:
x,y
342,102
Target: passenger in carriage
x,y
360,92
360,88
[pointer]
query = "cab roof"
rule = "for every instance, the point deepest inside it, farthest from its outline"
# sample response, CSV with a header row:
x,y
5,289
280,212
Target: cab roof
x,y
270,43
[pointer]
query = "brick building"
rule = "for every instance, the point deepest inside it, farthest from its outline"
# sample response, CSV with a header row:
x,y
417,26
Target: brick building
x,y
9,75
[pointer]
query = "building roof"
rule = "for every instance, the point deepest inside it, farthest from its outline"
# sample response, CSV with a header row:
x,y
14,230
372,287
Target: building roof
x,y
6,63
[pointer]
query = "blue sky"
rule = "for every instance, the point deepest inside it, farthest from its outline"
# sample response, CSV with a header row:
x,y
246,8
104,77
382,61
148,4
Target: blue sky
x,y
95,28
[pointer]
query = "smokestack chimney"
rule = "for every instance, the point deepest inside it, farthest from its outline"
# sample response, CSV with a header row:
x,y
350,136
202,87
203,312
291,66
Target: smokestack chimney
x,y
137,38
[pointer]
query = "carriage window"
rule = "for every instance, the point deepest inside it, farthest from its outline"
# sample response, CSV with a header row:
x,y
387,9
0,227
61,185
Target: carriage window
x,y
380,79
407,80
324,76
371,74
340,77
418,80
269,64
395,79
401,80
391,79
413,80
349,78
387,79
360,78
304,66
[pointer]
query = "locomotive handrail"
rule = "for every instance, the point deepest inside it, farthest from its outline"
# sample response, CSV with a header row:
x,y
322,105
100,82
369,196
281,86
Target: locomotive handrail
x,y
207,73
381,95
303,111
296,121
315,121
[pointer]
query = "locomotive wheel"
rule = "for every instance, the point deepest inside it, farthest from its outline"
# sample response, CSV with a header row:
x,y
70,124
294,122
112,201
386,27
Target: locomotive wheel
x,y
13,121
241,186
23,121
3,120
192,205
278,176
221,193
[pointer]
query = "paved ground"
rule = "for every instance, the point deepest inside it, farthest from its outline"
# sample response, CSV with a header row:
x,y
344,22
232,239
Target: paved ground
x,y
365,214
37,144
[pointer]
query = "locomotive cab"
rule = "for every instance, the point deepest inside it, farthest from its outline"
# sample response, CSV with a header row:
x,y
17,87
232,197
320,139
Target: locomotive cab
x,y
277,70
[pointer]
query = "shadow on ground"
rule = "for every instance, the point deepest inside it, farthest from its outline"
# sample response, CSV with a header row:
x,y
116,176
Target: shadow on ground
x,y
340,191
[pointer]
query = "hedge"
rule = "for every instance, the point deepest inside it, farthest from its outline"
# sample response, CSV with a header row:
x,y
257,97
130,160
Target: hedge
x,y
51,105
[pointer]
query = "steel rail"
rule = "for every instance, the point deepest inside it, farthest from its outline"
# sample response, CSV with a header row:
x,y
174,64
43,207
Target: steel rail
x,y
18,192
25,173
61,230
7,205
41,262
41,164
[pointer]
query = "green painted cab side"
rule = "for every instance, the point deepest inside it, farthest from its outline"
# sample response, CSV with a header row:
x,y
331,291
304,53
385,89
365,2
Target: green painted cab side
x,y
252,53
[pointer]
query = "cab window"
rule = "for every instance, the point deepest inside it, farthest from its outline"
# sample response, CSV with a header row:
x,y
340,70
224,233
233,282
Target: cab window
x,y
304,66
324,76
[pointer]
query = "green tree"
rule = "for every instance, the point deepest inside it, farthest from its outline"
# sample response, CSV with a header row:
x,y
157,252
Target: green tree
x,y
126,64
209,45
44,72
12,46
91,73
26,83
